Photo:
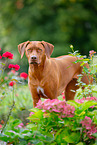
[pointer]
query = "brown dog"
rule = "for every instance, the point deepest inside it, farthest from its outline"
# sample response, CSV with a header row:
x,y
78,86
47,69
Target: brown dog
x,y
48,77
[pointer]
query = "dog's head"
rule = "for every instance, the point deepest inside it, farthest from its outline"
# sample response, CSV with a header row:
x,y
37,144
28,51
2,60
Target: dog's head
x,y
35,50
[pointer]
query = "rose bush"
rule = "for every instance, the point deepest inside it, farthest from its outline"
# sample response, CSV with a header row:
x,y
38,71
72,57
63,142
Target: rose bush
x,y
8,84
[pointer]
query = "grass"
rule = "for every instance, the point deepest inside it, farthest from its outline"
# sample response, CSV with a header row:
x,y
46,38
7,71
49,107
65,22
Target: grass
x,y
23,102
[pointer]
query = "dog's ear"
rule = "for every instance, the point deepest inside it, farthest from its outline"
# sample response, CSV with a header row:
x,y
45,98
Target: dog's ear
x,y
21,47
48,48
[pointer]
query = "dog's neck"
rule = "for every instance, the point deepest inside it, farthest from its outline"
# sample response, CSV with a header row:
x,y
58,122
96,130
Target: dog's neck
x,y
38,69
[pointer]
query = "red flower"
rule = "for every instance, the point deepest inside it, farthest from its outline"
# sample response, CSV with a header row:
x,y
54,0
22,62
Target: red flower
x,y
16,67
11,66
0,57
0,49
24,75
11,83
8,55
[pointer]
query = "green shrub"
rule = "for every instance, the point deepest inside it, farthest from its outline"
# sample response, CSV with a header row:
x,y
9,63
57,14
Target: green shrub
x,y
54,122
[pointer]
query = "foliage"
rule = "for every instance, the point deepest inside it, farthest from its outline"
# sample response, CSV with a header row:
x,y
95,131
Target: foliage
x,y
52,122
45,127
58,22
90,72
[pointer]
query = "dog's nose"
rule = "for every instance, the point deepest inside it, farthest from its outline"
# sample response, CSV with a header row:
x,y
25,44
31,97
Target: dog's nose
x,y
33,57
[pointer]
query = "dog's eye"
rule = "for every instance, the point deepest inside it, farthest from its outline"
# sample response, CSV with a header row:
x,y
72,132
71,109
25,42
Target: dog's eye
x,y
29,50
39,50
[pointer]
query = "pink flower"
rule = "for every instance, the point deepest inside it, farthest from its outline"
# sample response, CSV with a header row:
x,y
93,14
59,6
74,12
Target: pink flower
x,y
8,55
86,122
61,108
5,78
0,49
0,56
21,125
91,53
13,71
24,75
31,113
16,66
16,95
0,126
11,83
89,127
86,99
63,95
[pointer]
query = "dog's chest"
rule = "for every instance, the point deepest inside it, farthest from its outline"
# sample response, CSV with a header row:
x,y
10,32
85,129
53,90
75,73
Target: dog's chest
x,y
38,86
40,91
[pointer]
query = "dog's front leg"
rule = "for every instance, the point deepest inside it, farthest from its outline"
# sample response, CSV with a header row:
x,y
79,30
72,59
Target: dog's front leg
x,y
35,97
35,100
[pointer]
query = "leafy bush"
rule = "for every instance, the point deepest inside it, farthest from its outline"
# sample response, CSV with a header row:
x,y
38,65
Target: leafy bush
x,y
54,122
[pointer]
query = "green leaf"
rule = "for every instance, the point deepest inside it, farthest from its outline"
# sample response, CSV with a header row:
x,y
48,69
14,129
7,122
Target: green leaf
x,y
49,139
85,69
58,132
32,126
73,103
5,138
36,141
16,122
82,63
93,71
95,134
73,137
37,116
34,109
40,143
84,106
13,134
80,143
55,143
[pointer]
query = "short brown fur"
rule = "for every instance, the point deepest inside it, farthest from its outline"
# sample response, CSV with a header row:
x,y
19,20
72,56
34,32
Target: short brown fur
x,y
49,77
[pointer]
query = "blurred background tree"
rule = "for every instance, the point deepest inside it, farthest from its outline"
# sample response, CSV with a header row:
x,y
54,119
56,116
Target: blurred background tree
x,y
60,22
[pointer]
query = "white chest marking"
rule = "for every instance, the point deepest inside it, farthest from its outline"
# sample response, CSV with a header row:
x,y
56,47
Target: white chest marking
x,y
39,89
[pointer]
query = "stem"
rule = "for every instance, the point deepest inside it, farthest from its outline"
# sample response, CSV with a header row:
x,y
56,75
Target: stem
x,y
8,117
9,112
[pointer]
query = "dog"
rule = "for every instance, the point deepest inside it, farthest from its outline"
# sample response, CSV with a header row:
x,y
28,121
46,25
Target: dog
x,y
49,77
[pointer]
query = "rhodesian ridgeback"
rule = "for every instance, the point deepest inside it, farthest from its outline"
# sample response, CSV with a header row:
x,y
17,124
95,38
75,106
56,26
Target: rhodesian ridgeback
x,y
49,77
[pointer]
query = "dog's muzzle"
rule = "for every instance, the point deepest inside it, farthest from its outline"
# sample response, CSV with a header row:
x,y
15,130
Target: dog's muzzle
x,y
33,59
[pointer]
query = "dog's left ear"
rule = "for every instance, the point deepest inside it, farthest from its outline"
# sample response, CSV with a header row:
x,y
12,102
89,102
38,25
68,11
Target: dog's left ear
x,y
48,48
22,46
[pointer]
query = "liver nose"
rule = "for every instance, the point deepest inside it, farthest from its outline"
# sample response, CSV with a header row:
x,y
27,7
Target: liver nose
x,y
33,57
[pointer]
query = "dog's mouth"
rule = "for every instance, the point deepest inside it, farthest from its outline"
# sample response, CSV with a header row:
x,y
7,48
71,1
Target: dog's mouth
x,y
33,62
